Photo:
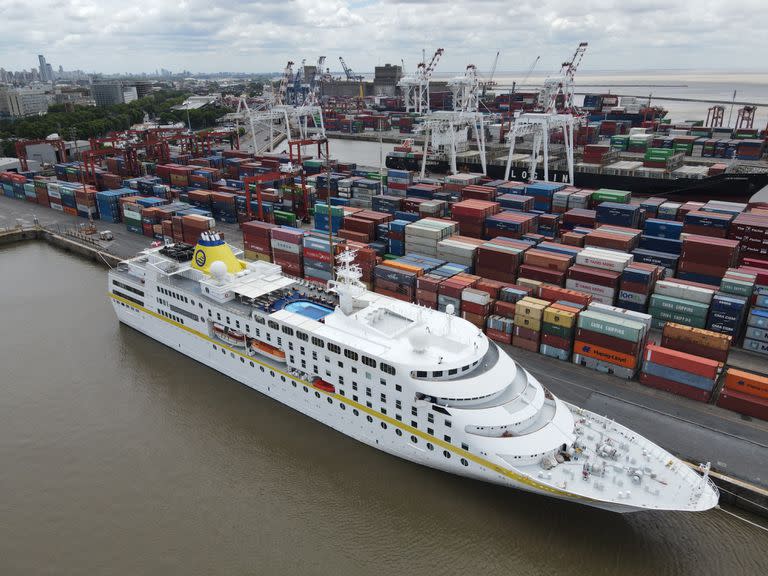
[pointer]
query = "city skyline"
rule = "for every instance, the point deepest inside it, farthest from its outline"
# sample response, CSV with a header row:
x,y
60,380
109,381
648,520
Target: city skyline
x,y
260,38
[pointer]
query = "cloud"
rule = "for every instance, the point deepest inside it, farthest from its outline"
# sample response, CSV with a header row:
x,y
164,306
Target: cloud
x,y
252,36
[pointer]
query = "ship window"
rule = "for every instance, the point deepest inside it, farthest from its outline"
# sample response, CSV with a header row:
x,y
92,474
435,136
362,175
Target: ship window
x,y
248,328
441,410
335,348
274,325
327,372
398,418
242,359
302,335
261,368
341,364
453,371
269,337
215,347
414,424
258,333
209,313
354,397
369,361
369,418
288,330
398,432
430,417
314,354
279,341
207,290
414,412
316,371
398,388
383,410
237,323
290,345
354,370
386,368
446,454
414,439
218,316
368,375
464,368
384,425
421,374
318,342
228,320
367,391
293,382
305,389
383,397
341,379
464,446
464,462
354,385
369,405
447,438
341,392
282,378
259,320
448,423
330,400
430,446
382,381
343,406
437,374
355,412
271,373
303,363
350,354
317,394
252,364
430,431
398,404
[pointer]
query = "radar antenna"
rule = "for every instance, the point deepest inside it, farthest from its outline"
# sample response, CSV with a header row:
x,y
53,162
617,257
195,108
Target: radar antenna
x,y
347,284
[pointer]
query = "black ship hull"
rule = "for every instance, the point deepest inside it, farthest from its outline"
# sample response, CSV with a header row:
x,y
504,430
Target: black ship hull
x,y
729,187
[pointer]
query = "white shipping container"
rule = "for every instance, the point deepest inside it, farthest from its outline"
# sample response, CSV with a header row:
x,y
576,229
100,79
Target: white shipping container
x,y
615,261
475,296
285,246
618,312
683,291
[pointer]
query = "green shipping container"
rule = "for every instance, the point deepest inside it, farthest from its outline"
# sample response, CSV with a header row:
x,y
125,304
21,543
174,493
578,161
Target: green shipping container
x,y
738,287
285,218
559,331
680,306
610,195
669,316
611,326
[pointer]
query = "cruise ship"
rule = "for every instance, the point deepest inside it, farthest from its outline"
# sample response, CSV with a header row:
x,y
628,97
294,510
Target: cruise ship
x,y
420,384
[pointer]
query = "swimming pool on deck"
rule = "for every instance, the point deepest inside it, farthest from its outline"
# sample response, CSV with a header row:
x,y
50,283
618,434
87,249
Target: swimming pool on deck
x,y
309,309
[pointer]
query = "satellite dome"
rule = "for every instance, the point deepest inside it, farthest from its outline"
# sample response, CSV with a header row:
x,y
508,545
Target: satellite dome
x,y
419,338
218,270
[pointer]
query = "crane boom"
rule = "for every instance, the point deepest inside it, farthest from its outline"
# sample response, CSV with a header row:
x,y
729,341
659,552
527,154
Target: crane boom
x,y
348,71
433,63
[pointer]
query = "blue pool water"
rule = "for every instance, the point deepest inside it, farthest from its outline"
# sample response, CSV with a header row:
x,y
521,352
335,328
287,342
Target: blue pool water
x,y
308,309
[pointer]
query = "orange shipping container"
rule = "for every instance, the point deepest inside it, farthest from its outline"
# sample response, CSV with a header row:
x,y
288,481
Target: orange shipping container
x,y
746,382
699,336
604,354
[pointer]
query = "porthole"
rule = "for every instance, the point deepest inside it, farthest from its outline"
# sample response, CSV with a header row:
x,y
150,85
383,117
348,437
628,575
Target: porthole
x,y
343,406
282,378
242,359
355,412
271,372
384,425
446,454
414,439
305,389
252,364
330,400
464,462
430,446
317,394
398,432
369,418
294,384
262,368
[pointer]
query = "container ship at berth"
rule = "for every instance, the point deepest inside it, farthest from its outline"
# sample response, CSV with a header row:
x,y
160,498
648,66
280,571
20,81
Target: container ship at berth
x,y
417,383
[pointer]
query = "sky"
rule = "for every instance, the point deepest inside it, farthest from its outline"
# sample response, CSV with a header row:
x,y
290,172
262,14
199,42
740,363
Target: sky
x,y
112,36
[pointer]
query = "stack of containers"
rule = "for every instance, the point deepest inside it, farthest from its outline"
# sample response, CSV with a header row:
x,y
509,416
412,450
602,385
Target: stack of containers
x,y
660,244
597,272
560,200
745,393
704,259
610,195
423,190
579,217
681,302
610,339
423,235
703,223
679,372
751,230
475,306
668,210
558,330
396,237
317,257
396,279
459,249
756,336
366,258
455,183
529,313
257,240
636,285
389,204
426,290
471,216
626,215
509,224
476,192
450,290
131,214
322,219
545,266
727,313
696,341
363,191
223,207
499,259
613,238
542,193
499,328
651,206
516,202
193,225
287,250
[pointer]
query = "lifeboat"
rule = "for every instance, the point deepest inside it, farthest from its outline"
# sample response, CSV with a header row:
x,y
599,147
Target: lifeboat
x,y
259,347
231,337
321,384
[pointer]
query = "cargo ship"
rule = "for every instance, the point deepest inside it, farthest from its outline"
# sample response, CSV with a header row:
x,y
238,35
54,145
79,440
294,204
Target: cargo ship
x,y
414,382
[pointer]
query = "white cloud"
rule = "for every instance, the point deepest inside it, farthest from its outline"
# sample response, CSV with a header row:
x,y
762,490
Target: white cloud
x,y
214,35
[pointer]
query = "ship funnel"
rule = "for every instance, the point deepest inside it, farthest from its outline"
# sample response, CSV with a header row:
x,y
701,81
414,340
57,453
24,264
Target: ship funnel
x,y
212,249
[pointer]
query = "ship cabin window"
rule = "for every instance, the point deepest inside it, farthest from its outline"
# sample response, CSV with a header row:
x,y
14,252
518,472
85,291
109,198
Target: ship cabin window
x,y
354,370
430,446
441,410
369,361
318,342
303,363
464,368
302,335
437,374
383,397
446,454
210,313
414,412
387,369
398,404
259,320
341,379
274,325
398,388
292,360
279,341
290,345
430,417
398,432
248,328
414,424
398,418
382,382
447,438
414,439
237,323
228,320
367,391
421,374
464,446
287,330
315,370
430,431
354,385
369,404
340,363
258,333
448,423
334,348
314,353
368,375
354,397
328,359
218,316
453,371
328,373
352,355
207,290
269,337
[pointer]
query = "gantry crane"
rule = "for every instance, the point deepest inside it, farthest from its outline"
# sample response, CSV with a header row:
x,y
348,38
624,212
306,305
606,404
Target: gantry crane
x,y
416,86
562,84
286,78
490,83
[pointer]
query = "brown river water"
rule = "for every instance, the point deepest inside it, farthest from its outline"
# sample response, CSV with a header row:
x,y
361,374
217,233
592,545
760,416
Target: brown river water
x,y
121,456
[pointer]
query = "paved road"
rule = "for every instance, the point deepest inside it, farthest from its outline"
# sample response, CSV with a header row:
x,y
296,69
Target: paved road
x,y
736,445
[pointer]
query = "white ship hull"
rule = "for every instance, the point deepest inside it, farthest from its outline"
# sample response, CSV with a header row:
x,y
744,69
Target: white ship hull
x,y
272,380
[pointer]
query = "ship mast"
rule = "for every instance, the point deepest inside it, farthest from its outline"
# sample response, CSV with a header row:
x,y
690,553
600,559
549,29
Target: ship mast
x,y
347,283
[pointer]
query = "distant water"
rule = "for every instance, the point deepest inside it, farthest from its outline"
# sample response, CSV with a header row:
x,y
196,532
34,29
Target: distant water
x,y
120,456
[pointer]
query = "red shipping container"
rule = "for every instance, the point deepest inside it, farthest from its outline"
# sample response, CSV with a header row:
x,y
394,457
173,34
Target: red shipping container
x,y
506,309
608,342
608,278
553,293
498,336
682,361
694,348
744,404
526,333
530,345
556,341
541,274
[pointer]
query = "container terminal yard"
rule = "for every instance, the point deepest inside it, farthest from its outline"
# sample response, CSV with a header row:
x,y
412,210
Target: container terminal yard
x,y
620,257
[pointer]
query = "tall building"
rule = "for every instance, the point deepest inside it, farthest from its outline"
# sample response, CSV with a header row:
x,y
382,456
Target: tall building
x,y
111,92
19,102
385,79
44,67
